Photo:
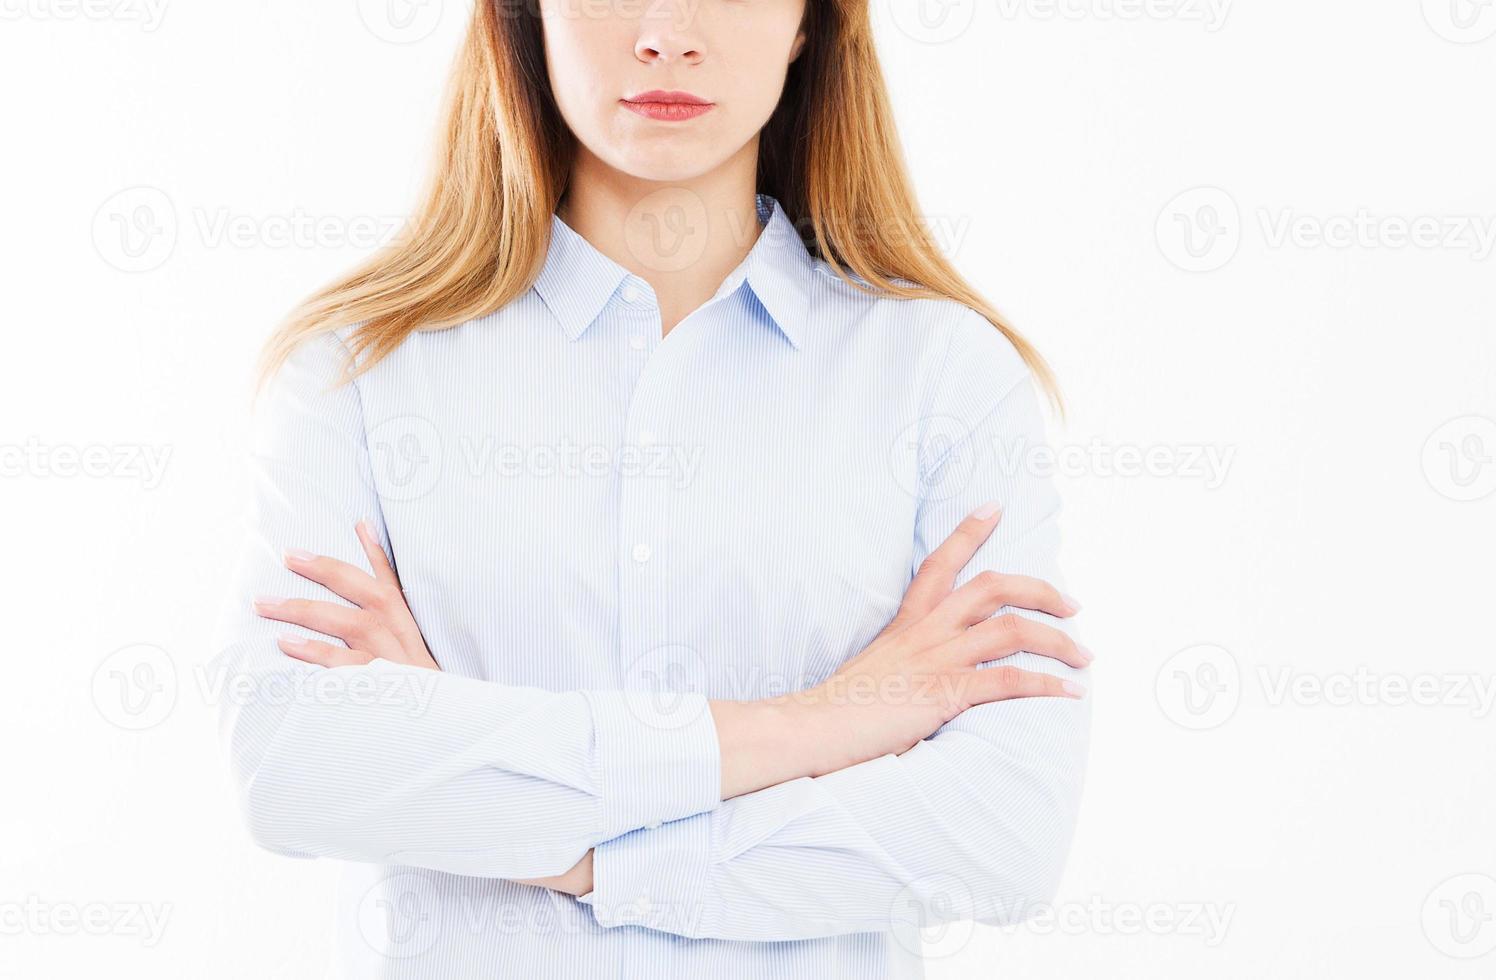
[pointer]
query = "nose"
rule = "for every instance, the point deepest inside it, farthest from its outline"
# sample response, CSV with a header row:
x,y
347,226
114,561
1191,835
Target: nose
x,y
669,32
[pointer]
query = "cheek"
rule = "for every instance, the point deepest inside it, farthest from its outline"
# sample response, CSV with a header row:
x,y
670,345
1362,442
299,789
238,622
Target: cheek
x,y
755,65
582,55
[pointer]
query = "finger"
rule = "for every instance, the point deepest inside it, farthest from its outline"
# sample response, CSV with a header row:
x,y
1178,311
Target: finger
x,y
937,573
384,599
390,600
378,561
348,581
1003,636
354,627
1008,683
319,652
990,590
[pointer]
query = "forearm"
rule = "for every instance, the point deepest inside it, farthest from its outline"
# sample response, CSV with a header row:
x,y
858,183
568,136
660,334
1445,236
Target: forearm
x,y
762,744
772,741
973,823
383,762
393,764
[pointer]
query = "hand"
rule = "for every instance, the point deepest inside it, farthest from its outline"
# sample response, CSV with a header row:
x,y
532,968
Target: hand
x,y
577,881
381,626
922,670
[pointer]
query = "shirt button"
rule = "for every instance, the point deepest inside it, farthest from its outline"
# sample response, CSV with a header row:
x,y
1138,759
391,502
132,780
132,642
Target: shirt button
x,y
641,553
631,293
653,825
646,438
637,341
642,906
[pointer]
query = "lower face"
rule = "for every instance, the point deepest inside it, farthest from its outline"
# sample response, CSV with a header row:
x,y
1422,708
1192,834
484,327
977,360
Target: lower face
x,y
601,56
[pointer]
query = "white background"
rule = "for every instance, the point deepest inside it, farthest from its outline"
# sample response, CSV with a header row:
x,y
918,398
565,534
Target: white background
x,y
1273,791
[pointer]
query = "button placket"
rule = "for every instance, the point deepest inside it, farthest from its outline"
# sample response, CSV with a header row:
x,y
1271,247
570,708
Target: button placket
x,y
645,507
640,318
642,506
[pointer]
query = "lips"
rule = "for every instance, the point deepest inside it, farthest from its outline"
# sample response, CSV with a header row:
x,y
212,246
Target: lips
x,y
667,106
662,97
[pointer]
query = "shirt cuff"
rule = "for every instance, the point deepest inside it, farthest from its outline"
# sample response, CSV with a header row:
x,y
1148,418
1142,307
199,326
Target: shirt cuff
x,y
658,757
654,877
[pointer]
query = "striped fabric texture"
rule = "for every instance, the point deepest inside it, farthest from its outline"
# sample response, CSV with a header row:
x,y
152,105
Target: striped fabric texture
x,y
598,529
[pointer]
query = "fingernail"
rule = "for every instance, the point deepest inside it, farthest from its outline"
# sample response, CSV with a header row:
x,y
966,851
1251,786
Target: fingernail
x,y
1085,651
367,526
1071,602
269,600
987,511
1073,689
296,554
293,641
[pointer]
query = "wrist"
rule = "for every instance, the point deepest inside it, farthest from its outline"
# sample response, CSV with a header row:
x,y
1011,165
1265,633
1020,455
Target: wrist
x,y
823,731
579,878
767,742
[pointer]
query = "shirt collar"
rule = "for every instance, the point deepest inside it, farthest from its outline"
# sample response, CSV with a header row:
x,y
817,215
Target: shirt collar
x,y
577,281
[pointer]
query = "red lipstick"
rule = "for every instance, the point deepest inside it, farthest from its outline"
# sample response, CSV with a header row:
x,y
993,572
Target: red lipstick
x,y
667,106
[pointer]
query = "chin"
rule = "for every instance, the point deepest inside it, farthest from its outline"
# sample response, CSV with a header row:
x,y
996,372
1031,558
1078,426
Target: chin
x,y
666,165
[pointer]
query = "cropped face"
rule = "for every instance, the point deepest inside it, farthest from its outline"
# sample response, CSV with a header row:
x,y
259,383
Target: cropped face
x,y
669,90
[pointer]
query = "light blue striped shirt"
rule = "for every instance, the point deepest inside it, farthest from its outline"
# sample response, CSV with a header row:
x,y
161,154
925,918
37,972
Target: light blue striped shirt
x,y
599,528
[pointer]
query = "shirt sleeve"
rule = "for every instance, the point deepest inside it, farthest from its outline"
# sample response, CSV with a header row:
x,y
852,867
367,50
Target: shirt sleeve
x,y
973,823
390,763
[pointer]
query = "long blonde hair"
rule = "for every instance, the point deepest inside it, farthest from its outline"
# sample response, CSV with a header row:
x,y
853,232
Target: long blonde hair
x,y
829,154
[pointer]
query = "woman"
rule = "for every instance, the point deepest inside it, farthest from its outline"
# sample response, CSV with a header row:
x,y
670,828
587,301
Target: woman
x,y
656,407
